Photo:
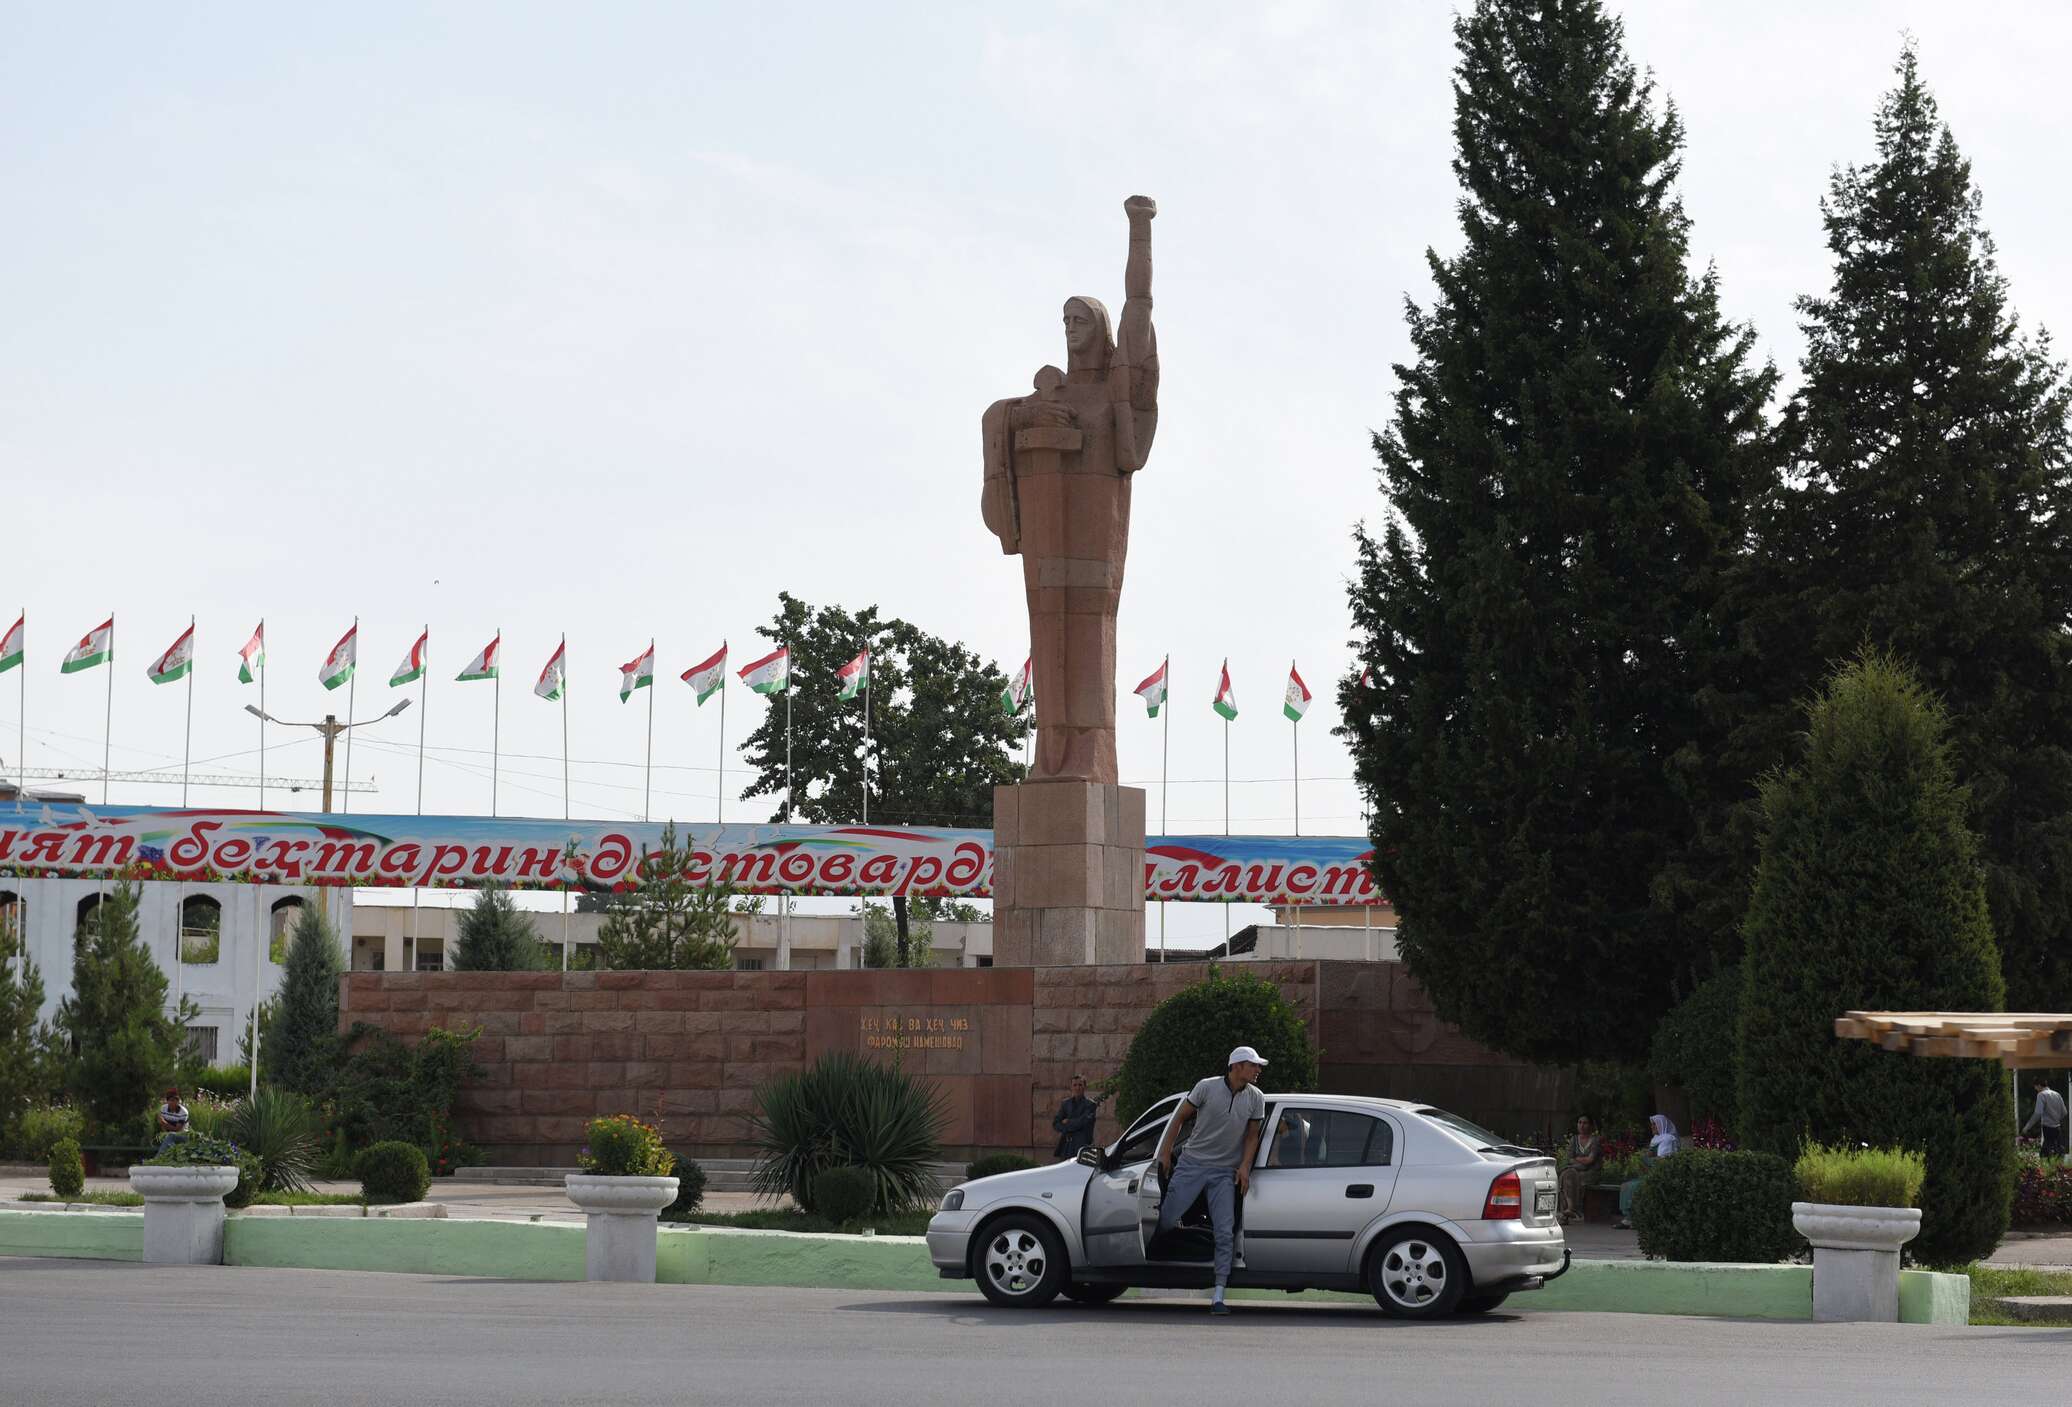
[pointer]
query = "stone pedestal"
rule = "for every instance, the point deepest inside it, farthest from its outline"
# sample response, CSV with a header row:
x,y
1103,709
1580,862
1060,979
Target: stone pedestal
x,y
183,1212
619,1238
1068,874
1855,1258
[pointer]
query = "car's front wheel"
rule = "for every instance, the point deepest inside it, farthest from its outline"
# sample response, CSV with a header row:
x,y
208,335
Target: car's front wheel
x,y
1417,1274
1019,1263
1087,1292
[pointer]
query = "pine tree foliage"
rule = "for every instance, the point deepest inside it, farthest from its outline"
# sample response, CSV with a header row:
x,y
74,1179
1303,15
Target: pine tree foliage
x,y
1869,897
29,1064
299,1046
1938,514
124,1046
670,922
1568,476
497,936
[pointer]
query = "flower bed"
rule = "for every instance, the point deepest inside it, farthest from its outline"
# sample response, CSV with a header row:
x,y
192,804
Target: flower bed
x,y
2042,1191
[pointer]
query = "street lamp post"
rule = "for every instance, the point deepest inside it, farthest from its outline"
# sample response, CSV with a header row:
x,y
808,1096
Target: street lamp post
x,y
329,730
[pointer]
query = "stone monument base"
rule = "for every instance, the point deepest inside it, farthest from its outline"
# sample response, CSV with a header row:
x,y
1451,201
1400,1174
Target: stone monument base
x,y
1068,874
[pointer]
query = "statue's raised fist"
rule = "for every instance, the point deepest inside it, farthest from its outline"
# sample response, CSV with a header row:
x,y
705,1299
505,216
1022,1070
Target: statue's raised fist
x,y
1140,207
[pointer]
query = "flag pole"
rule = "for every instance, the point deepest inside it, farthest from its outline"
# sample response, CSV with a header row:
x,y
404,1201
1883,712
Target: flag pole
x,y
720,813
352,693
424,674
260,939
187,746
866,736
21,709
786,963
1226,821
262,798
565,808
647,784
1295,743
108,720
1165,753
496,718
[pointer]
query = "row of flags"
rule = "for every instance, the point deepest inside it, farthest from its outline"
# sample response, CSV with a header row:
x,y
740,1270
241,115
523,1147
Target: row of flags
x,y
769,675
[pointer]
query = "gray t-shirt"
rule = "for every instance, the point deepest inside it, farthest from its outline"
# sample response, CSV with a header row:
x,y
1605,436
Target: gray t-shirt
x,y
1217,1138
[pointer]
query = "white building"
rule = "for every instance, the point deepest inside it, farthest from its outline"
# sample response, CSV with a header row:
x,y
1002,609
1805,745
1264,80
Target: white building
x,y
232,938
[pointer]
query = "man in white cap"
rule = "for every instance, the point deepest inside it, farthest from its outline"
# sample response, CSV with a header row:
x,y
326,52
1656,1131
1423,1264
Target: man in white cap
x,y
1227,1113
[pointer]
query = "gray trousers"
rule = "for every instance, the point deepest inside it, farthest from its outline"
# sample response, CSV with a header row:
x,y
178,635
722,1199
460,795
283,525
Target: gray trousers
x,y
1190,1180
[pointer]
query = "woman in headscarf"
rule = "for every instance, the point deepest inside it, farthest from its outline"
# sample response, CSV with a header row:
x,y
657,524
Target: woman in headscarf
x,y
1662,1142
1585,1161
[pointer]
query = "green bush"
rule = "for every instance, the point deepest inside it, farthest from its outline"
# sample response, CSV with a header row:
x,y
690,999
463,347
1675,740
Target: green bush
x,y
1190,1035
846,1111
40,1127
231,1082
497,936
993,1164
298,1045
394,1171
1712,1206
620,1145
1695,1047
115,1018
280,1130
1869,896
843,1195
1861,1177
67,1169
201,1150
690,1189
385,1090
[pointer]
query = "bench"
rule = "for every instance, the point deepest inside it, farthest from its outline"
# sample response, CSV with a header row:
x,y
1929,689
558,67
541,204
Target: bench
x,y
108,1159
1601,1201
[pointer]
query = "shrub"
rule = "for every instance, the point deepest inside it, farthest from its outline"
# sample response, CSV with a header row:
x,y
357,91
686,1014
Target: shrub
x,y
298,1045
115,1017
620,1145
231,1082
690,1189
394,1171
843,1195
280,1130
1191,1033
385,1090
67,1168
1702,1205
846,1111
41,1127
1861,1177
497,936
1869,896
2042,1191
993,1164
1695,1049
198,1149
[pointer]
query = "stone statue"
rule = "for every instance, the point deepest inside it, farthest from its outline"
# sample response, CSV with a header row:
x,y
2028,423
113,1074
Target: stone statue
x,y
1057,491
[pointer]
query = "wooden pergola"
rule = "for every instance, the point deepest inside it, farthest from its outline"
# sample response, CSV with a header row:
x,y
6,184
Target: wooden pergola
x,y
2019,1040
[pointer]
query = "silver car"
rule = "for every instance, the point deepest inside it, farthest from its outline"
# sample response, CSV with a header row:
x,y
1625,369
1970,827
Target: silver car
x,y
1425,1211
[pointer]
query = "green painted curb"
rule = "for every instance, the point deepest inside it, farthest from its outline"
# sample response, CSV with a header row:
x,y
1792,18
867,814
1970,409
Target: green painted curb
x,y
92,1235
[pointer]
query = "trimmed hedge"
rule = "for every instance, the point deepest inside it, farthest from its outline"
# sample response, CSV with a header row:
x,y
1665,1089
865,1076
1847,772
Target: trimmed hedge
x,y
690,1189
1700,1205
1189,1035
67,1169
844,1194
393,1170
1695,1047
993,1164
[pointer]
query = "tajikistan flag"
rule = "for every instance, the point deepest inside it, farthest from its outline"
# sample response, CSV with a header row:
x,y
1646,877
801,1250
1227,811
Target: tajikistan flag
x,y
251,660
11,644
854,675
1226,701
484,665
637,673
1015,697
343,659
412,668
771,674
1153,690
1297,701
177,661
706,677
555,675
97,648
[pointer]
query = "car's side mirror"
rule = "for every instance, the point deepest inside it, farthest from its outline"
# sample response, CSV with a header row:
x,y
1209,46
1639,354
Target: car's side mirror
x,y
1090,1156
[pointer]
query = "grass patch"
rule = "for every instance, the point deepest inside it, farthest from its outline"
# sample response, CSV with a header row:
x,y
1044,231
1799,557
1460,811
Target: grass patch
x,y
310,1199
792,1219
97,1198
1992,1281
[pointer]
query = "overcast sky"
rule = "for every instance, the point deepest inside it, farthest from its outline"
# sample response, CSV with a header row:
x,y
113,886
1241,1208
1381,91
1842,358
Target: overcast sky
x,y
617,320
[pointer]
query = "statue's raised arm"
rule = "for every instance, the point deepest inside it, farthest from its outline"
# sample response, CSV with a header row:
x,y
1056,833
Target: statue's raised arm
x,y
1137,347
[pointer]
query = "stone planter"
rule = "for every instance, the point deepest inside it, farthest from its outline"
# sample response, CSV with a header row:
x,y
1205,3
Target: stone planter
x,y
620,1241
1855,1258
183,1212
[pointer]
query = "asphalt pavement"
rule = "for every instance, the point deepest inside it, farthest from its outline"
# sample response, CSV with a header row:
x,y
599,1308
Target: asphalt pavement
x,y
85,1332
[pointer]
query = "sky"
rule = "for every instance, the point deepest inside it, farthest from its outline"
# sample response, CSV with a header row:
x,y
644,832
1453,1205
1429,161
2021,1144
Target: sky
x,y
616,320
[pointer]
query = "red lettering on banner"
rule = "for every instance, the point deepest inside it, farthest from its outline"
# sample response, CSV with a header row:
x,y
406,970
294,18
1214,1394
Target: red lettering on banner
x,y
795,868
544,864
922,872
233,854
49,848
880,873
614,857
836,870
1184,882
1260,882
397,859
697,867
282,859
754,871
98,850
968,866
1223,880
347,856
1302,879
192,848
7,839
1347,880
483,865
446,859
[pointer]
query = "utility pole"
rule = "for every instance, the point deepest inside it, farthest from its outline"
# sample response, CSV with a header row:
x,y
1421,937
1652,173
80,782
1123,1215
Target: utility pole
x,y
330,729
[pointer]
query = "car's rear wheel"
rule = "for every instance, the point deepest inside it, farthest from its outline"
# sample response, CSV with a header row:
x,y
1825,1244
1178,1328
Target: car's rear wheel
x,y
1019,1263
1482,1304
1087,1292
1417,1274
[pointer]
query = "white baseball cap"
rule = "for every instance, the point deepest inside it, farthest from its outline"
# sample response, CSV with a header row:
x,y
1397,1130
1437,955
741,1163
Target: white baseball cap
x,y
1244,1054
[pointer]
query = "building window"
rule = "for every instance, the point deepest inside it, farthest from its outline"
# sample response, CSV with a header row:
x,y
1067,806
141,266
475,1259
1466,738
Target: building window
x,y
14,918
201,929
748,964
201,1043
88,907
286,912
983,960
430,961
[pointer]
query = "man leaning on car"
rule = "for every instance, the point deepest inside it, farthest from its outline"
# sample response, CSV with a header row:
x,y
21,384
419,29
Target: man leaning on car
x,y
1217,1162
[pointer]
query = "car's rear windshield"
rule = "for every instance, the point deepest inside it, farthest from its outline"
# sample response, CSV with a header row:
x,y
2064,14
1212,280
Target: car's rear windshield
x,y
1474,1133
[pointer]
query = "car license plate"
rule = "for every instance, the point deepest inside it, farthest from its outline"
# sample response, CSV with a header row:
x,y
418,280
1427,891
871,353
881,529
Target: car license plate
x,y
1543,1202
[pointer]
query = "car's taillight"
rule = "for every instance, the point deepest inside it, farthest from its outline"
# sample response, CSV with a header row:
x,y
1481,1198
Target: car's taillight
x,y
1504,1198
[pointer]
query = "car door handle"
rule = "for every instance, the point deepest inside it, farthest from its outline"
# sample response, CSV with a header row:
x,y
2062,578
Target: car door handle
x,y
1360,1189
1133,1184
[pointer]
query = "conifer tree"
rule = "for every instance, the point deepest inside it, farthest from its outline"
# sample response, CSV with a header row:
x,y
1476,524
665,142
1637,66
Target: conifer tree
x,y
1938,515
497,936
29,1065
1869,897
299,1047
1568,477
670,922
124,1046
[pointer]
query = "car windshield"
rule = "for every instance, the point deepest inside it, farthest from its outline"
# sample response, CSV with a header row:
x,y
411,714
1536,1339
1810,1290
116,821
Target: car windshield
x,y
1482,1138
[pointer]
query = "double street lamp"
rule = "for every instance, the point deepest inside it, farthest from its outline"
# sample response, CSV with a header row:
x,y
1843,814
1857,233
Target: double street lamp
x,y
330,728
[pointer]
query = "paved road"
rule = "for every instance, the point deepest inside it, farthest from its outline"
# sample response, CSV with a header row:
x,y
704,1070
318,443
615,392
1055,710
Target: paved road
x,y
82,1332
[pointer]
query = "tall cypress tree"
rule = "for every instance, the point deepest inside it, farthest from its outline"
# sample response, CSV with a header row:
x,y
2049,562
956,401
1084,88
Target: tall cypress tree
x,y
497,936
299,1047
1568,475
1939,508
124,1045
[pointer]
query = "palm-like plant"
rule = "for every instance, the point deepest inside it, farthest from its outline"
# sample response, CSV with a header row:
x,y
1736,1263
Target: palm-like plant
x,y
282,1131
846,1111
